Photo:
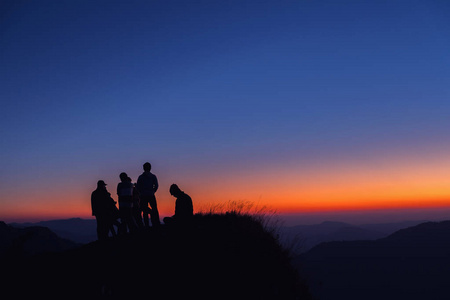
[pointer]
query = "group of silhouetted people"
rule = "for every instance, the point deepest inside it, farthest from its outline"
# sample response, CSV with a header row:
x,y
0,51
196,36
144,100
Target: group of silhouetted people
x,y
136,203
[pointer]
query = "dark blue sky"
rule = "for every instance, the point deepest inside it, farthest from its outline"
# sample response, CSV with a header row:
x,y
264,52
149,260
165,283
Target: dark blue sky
x,y
89,88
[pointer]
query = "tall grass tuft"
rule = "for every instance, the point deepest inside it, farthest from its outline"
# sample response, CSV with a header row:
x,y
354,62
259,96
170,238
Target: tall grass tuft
x,y
264,215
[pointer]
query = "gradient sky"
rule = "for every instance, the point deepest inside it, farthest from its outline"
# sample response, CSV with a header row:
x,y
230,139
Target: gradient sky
x,y
304,106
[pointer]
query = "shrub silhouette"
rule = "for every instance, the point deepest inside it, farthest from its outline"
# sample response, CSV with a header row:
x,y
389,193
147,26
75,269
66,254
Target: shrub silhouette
x,y
226,255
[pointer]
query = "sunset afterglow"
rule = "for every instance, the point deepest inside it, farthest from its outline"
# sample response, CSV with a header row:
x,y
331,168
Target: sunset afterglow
x,y
298,106
385,183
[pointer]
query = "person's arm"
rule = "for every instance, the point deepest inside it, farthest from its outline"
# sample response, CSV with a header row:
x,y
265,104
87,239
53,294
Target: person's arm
x,y
177,208
139,184
155,187
92,204
191,206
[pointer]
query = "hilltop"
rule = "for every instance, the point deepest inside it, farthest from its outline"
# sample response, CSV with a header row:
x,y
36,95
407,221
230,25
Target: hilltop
x,y
229,255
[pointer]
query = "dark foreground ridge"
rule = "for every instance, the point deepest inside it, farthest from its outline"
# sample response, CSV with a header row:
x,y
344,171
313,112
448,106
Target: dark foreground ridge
x,y
218,256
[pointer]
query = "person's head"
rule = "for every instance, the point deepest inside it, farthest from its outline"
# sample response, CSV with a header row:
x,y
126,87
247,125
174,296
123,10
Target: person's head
x,y
147,167
174,190
129,179
123,176
101,184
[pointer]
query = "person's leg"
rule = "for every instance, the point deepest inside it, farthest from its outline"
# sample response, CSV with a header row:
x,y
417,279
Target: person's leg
x,y
117,224
168,220
154,214
137,217
130,220
123,222
102,228
112,230
145,210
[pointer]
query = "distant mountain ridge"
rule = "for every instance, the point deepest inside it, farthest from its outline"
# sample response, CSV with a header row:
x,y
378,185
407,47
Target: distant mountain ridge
x,y
83,231
29,241
412,263
75,229
309,236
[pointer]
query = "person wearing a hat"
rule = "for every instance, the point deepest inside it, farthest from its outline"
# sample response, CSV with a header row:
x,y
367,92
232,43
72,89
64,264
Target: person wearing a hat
x,y
104,209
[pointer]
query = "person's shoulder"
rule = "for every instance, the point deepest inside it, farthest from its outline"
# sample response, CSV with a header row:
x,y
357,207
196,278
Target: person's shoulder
x,y
99,193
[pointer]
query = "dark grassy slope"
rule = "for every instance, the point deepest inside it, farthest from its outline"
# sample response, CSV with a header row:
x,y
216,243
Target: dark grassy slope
x,y
219,256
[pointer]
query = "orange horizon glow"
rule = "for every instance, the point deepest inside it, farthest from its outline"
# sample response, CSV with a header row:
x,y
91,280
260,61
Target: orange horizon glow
x,y
203,204
395,182
85,213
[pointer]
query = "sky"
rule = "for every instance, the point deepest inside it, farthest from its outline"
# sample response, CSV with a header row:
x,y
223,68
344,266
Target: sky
x,y
303,106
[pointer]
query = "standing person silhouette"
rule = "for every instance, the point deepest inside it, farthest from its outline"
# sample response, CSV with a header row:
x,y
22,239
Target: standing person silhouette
x,y
125,193
147,185
104,209
136,206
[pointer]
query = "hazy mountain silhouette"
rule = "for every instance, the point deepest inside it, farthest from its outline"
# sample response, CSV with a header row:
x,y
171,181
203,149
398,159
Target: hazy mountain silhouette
x,y
75,229
83,231
219,256
24,242
309,236
412,263
389,228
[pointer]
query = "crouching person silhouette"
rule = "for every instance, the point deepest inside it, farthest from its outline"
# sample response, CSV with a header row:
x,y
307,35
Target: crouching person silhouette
x,y
105,211
184,210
